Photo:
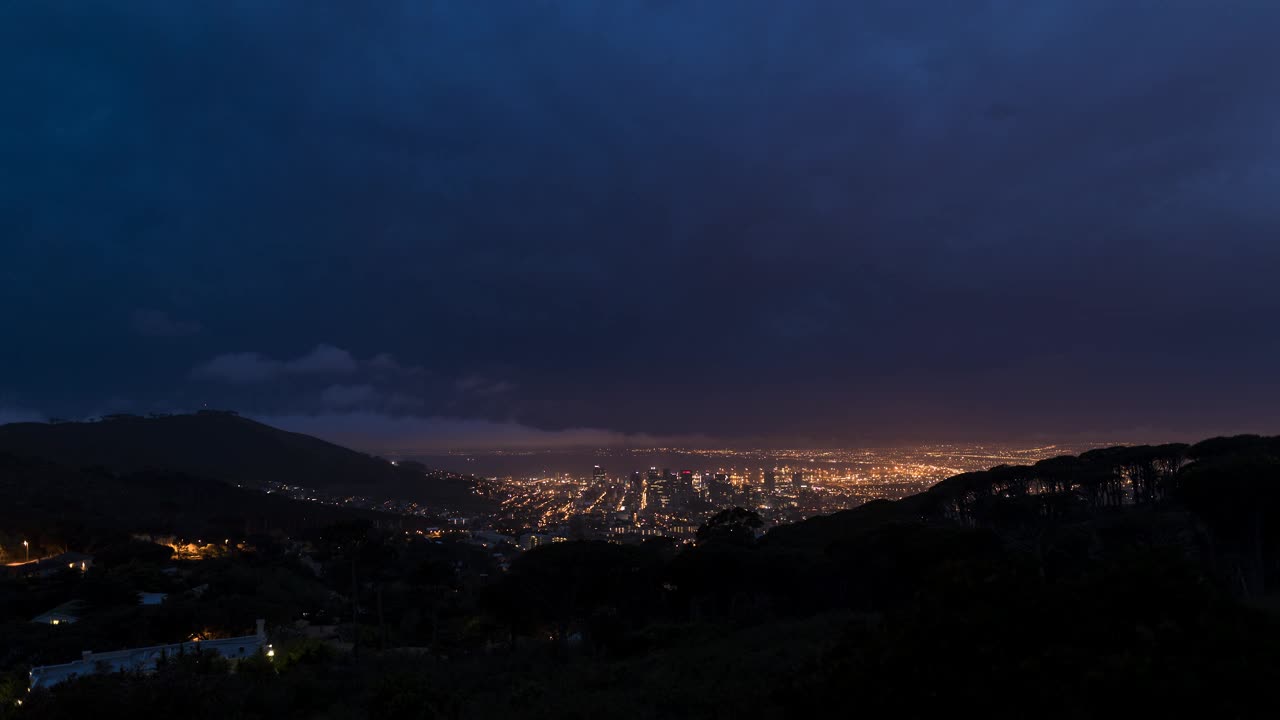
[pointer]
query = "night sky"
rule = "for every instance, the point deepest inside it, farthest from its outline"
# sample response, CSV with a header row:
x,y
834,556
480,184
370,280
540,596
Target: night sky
x,y
478,222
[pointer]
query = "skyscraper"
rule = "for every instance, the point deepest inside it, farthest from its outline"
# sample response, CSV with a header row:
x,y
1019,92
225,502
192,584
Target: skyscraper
x,y
719,491
663,490
654,491
684,487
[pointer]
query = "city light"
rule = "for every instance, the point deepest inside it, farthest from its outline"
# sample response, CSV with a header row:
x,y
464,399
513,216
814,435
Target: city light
x,y
642,500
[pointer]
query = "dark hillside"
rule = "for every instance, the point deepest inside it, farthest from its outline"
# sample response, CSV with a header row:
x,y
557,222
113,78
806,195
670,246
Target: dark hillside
x,y
224,446
59,505
1130,580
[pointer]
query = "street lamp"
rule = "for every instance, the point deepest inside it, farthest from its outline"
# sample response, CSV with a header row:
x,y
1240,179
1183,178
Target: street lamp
x,y
26,547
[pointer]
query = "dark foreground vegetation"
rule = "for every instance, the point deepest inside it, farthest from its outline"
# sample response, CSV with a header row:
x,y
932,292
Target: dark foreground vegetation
x,y
1129,580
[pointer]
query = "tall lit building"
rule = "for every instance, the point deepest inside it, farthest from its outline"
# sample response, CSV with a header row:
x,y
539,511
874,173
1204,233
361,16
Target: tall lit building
x,y
653,490
719,491
684,488
664,490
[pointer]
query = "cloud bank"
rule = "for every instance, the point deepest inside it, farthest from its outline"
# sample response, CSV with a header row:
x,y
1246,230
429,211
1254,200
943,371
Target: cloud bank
x,y
376,432
254,367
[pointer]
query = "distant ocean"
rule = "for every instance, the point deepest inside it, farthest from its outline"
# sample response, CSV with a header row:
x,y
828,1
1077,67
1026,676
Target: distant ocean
x,y
619,462
616,463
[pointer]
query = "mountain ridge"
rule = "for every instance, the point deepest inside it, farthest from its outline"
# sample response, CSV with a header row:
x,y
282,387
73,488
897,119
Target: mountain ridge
x,y
225,446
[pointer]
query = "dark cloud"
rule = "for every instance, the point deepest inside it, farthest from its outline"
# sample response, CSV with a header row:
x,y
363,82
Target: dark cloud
x,y
849,220
406,434
244,367
323,359
483,386
349,396
252,367
158,323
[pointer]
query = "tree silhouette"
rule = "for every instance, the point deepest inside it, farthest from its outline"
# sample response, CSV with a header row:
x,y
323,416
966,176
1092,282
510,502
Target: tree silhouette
x,y
732,526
